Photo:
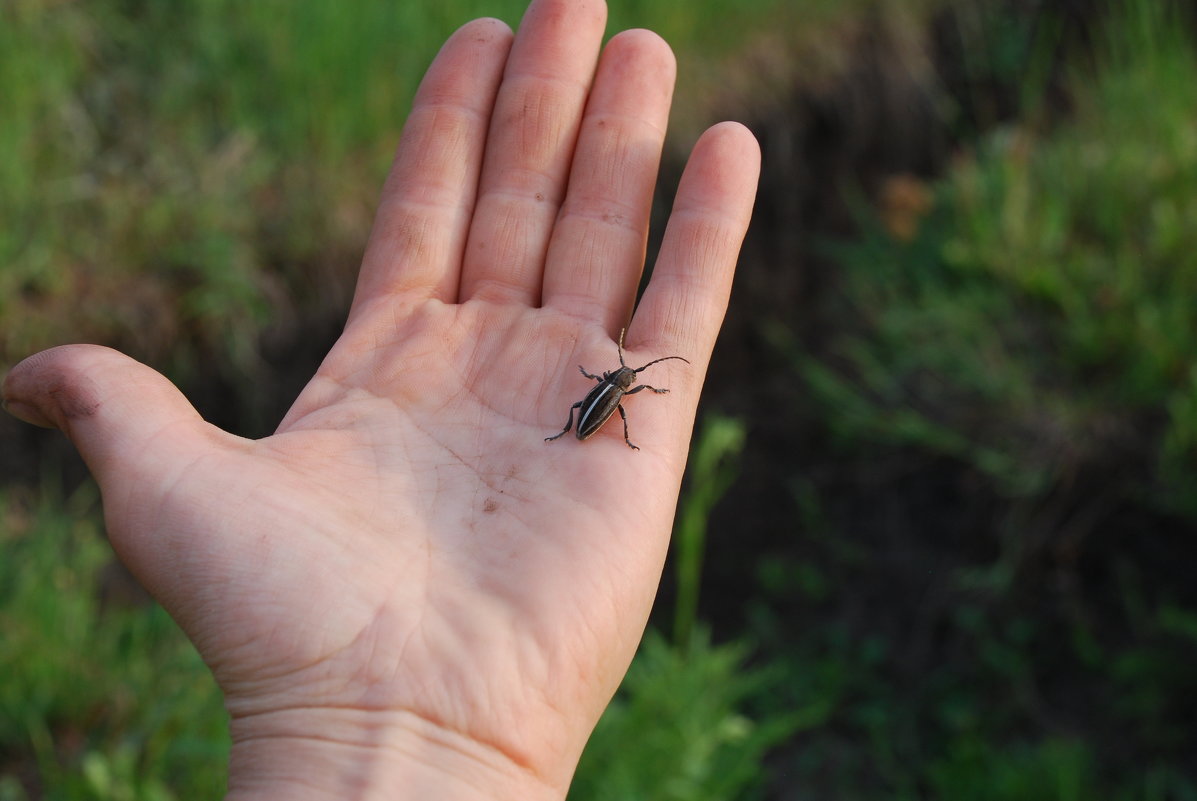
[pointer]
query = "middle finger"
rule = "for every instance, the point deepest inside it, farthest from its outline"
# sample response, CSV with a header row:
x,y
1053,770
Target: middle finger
x,y
533,131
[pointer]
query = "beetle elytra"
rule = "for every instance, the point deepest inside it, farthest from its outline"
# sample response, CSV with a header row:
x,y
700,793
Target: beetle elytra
x,y
602,401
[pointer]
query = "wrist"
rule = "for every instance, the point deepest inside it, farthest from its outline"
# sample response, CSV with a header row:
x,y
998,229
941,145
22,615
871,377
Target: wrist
x,y
362,755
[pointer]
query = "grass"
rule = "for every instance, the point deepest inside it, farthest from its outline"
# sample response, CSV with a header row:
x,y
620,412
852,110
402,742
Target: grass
x,y
101,698
1029,337
679,729
1040,320
712,469
972,726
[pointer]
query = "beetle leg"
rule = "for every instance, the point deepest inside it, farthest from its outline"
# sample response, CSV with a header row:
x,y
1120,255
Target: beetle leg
x,y
569,423
645,386
624,415
588,375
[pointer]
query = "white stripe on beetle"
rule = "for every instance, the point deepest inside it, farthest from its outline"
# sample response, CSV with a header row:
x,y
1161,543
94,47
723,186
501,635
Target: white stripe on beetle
x,y
586,414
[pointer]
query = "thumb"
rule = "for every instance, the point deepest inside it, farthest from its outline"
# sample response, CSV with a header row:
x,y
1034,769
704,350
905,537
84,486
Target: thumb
x,y
111,407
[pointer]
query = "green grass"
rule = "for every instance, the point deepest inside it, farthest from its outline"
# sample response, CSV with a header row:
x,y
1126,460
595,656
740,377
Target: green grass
x,y
101,698
1039,324
1033,336
972,726
680,729
711,470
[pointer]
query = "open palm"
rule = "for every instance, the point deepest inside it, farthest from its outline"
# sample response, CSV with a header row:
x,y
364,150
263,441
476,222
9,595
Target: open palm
x,y
406,573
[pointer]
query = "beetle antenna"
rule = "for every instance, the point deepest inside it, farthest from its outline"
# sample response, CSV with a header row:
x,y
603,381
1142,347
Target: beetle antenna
x,y
619,347
662,359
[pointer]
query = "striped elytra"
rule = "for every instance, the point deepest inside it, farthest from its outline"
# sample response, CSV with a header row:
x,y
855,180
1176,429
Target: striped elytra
x,y
605,399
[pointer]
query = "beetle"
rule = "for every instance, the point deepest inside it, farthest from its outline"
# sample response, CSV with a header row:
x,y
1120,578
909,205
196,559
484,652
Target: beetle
x,y
602,401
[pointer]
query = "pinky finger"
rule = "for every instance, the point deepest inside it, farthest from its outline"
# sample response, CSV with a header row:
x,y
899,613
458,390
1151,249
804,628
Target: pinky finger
x,y
687,297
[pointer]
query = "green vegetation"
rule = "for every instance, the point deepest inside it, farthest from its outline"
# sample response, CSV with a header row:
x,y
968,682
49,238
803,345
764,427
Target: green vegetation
x,y
712,470
678,730
1032,334
1040,323
105,697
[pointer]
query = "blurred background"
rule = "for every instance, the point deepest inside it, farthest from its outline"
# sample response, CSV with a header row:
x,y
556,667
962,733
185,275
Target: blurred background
x,y
938,534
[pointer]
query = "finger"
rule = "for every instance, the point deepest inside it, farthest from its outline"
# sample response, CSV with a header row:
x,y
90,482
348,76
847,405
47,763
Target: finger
x,y
424,212
686,298
130,424
597,250
531,144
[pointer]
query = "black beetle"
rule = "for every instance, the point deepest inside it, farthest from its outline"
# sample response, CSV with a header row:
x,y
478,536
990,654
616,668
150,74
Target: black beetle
x,y
602,401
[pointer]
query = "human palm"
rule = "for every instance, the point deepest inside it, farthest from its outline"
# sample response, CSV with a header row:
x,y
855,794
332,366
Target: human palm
x,y
455,565
406,569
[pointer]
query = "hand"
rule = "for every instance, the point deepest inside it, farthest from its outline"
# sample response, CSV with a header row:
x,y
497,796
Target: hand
x,y
406,592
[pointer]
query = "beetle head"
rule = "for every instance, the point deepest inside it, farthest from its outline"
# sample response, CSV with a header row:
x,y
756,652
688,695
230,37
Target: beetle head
x,y
623,378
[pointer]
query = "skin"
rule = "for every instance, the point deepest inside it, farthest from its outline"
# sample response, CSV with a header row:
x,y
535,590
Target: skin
x,y
405,592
